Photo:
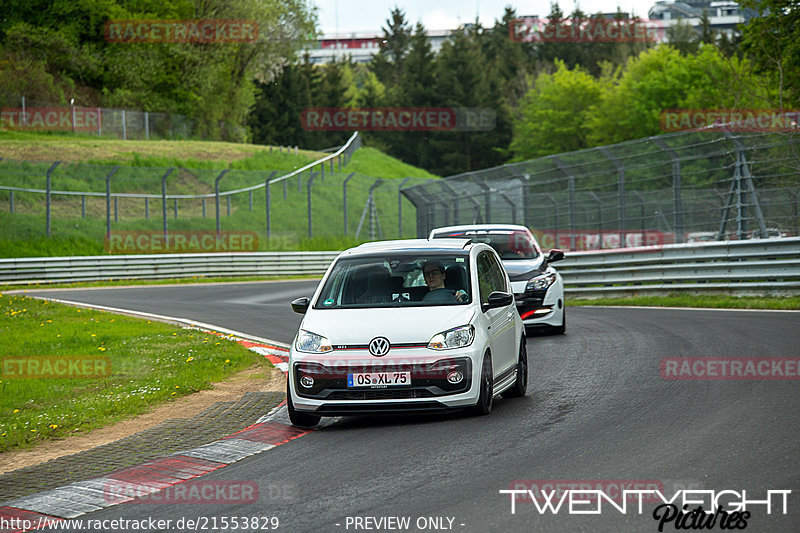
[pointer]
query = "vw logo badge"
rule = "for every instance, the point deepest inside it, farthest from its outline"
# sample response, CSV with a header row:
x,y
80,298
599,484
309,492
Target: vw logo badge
x,y
379,346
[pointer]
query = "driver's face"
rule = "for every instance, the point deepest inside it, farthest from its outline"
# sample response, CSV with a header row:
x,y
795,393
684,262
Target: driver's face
x,y
434,277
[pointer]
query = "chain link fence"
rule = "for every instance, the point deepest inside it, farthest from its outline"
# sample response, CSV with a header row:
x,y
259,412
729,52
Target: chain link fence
x,y
18,113
681,187
321,199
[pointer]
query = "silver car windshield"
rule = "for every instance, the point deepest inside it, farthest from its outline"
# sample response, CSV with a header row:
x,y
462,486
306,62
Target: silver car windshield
x,y
509,244
397,281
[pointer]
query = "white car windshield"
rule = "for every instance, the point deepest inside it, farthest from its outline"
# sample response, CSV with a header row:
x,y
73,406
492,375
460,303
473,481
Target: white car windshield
x,y
509,244
401,280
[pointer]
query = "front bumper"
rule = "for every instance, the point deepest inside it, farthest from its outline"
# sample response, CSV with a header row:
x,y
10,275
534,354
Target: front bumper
x,y
429,390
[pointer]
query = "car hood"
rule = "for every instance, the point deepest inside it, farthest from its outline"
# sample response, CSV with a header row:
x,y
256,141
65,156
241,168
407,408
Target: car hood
x,y
399,325
518,267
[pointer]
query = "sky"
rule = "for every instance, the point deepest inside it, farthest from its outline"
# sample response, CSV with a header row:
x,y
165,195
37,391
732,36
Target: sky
x,y
369,16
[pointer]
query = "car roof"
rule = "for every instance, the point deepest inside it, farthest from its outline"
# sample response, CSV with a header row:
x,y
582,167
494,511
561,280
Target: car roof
x,y
478,227
410,245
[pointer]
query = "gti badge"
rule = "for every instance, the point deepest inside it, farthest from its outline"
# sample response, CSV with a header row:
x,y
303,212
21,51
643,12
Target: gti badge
x,y
379,346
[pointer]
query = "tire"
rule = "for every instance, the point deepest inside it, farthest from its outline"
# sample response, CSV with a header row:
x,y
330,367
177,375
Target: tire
x,y
484,405
297,418
560,330
521,384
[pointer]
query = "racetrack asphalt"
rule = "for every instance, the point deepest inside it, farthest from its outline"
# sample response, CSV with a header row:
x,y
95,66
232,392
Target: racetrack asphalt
x,y
597,409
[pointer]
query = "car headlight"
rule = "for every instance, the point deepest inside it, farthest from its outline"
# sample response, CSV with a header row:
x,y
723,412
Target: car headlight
x,y
312,343
542,282
453,338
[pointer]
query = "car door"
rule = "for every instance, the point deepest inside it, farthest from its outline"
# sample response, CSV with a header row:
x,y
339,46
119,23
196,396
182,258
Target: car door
x,y
491,278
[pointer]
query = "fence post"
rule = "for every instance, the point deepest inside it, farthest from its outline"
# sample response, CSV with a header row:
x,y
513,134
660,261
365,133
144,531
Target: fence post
x,y
571,190
268,200
83,206
48,192
125,137
400,208
24,114
164,200
108,201
621,222
99,122
216,195
641,215
146,207
344,199
308,189
116,210
11,201
599,217
175,207
514,210
204,207
677,203
147,128
454,199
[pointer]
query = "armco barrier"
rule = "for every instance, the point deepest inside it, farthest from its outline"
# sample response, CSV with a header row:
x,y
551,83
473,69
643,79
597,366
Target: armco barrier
x,y
758,265
160,266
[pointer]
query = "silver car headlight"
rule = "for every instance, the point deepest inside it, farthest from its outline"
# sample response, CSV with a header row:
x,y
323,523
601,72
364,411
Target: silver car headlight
x,y
453,338
312,343
542,282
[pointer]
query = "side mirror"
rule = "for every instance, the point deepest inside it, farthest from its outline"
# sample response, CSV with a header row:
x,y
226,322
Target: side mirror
x,y
498,299
555,255
300,305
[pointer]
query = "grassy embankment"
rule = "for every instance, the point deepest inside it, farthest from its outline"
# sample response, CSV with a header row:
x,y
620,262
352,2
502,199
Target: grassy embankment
x,y
150,363
197,163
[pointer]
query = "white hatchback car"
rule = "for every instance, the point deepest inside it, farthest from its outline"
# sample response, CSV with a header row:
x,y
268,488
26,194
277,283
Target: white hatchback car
x,y
410,325
538,287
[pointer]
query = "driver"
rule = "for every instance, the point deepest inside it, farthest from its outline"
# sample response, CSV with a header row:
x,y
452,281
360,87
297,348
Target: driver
x,y
433,271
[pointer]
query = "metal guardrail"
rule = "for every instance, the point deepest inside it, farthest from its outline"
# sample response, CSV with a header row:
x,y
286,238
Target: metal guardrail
x,y
758,265
162,266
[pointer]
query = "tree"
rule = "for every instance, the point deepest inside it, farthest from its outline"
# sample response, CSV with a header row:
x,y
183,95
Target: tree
x,y
772,40
388,63
555,112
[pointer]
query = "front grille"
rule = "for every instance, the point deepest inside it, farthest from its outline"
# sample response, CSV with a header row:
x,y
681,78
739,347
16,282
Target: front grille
x,y
379,394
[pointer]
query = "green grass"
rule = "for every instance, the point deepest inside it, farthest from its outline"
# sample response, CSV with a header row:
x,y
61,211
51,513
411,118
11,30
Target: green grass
x,y
151,363
197,165
694,300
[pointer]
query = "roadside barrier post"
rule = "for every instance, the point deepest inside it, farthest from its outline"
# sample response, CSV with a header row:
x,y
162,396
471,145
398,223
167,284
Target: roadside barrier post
x,y
308,188
108,201
164,199
47,215
216,196
268,200
344,199
400,208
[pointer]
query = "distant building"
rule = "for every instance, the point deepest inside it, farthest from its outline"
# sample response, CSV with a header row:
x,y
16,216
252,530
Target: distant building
x,y
723,16
361,46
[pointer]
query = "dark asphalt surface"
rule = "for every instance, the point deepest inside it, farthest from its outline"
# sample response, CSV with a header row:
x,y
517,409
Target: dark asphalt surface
x,y
597,409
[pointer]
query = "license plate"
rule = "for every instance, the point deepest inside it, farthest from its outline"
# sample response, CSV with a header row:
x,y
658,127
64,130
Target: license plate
x,y
379,379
